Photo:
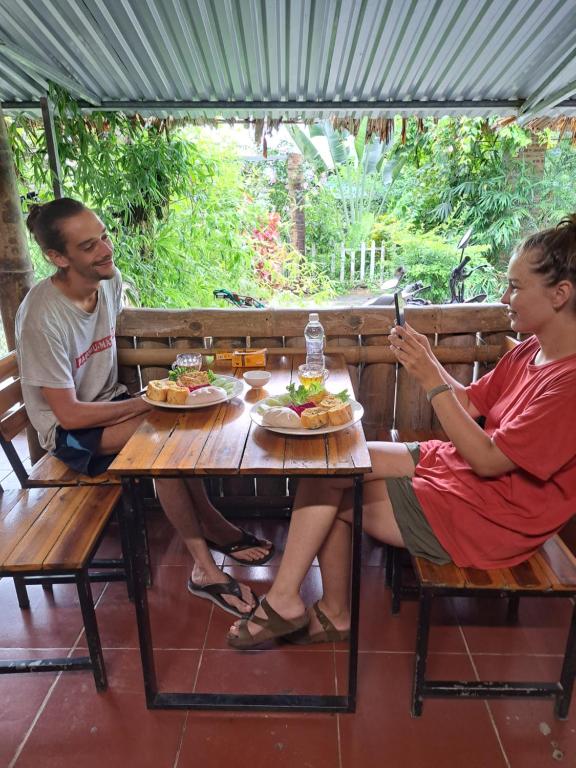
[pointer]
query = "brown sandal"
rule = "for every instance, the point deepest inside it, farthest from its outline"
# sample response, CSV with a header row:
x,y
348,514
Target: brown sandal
x,y
329,634
273,626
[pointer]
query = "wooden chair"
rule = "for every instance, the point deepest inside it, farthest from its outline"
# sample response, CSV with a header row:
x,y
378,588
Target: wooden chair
x,y
551,572
50,472
54,532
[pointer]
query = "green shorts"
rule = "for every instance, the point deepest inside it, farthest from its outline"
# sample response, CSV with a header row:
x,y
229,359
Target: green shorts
x,y
416,531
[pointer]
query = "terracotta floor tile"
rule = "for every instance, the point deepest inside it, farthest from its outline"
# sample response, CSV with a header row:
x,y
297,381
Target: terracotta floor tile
x,y
81,728
381,631
383,733
52,621
237,740
178,619
265,671
531,735
20,697
542,626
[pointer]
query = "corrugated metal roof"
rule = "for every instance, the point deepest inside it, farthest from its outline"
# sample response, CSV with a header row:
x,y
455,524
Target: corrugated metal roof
x,y
292,58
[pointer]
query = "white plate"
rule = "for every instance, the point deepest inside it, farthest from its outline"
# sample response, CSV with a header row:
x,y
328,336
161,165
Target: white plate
x,y
256,416
232,385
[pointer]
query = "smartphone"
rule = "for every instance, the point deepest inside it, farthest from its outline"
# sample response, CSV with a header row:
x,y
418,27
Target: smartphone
x,y
399,307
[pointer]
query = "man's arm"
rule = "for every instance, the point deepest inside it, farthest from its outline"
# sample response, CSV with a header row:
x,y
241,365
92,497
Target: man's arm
x,y
71,413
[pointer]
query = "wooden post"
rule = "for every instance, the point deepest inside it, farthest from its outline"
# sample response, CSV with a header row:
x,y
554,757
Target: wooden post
x,y
16,270
51,145
372,259
362,260
296,194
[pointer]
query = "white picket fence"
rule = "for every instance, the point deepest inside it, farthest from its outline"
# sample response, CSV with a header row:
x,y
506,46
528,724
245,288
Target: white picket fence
x,y
357,265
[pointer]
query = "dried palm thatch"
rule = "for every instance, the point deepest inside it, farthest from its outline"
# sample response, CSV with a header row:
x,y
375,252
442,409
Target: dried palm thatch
x,y
566,126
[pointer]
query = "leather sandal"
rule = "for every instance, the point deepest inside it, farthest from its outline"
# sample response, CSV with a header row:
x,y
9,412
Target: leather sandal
x,y
248,541
214,592
329,632
273,626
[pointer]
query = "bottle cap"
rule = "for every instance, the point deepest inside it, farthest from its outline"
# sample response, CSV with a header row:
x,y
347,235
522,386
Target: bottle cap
x,y
313,316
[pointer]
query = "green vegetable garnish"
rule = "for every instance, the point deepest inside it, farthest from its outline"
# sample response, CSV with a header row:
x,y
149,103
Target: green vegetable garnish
x,y
301,394
176,372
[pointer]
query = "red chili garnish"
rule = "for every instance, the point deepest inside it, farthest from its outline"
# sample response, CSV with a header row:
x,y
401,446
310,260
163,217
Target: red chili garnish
x,y
299,408
198,386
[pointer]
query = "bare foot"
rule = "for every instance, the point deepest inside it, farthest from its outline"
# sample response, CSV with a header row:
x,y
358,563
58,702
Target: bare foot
x,y
253,551
246,605
290,609
340,620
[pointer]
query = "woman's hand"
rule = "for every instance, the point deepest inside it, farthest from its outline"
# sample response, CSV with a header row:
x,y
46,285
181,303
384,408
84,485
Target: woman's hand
x,y
414,352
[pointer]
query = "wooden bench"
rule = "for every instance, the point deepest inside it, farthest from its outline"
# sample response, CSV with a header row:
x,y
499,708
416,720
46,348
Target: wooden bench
x,y
551,572
54,533
50,472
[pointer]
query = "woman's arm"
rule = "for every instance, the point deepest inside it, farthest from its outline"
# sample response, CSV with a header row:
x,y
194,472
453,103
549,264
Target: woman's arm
x,y
71,413
453,408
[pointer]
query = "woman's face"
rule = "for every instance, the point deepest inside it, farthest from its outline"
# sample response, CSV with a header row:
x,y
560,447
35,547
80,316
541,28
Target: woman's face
x,y
530,302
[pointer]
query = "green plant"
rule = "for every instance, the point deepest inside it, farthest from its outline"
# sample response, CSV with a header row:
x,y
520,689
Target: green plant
x,y
428,257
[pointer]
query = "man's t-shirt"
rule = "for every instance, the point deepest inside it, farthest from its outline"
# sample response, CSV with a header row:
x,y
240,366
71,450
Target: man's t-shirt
x,y
491,522
62,346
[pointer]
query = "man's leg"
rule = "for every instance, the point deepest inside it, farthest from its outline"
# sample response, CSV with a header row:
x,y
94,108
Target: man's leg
x,y
216,528
179,509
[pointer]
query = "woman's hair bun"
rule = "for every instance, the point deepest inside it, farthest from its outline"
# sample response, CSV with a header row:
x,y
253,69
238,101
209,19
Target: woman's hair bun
x,y
33,213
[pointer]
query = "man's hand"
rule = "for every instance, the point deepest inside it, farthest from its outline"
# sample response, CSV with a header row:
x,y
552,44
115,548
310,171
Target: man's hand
x,y
72,413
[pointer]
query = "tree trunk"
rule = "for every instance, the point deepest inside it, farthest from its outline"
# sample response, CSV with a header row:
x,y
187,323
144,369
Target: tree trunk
x,y
16,271
296,192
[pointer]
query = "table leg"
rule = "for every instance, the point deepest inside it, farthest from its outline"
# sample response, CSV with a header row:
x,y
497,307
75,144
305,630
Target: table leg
x,y
355,594
133,510
237,701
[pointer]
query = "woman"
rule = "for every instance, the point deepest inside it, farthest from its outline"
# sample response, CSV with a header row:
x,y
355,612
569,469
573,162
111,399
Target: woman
x,y
490,496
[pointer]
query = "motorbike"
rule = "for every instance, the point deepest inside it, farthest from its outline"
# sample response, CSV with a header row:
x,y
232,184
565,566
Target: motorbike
x,y
237,299
460,274
390,287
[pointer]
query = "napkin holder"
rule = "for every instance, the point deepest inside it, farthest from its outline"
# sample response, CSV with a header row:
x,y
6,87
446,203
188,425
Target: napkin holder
x,y
244,358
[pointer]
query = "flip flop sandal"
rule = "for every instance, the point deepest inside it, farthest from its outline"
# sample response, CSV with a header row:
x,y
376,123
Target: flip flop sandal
x,y
214,592
329,634
248,541
273,627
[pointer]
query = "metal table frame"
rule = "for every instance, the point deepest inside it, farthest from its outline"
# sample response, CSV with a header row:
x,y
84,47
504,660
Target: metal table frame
x,y
155,699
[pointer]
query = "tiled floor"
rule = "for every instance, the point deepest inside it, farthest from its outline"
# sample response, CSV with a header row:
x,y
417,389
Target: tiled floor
x,y
59,721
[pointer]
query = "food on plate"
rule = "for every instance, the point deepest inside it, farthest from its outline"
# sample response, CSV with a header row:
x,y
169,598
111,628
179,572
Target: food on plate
x,y
194,379
156,390
339,414
314,418
177,395
280,416
206,395
330,402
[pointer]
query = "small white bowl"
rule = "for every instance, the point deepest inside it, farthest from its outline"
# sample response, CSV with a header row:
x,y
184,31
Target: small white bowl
x,y
256,379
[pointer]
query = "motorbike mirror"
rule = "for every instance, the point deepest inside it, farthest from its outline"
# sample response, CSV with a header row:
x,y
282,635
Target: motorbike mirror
x,y
465,239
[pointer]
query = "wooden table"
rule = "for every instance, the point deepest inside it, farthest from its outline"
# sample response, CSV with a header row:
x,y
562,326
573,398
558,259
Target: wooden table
x,y
222,441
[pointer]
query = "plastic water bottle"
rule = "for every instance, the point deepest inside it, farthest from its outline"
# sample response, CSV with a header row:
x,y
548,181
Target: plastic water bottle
x,y
314,336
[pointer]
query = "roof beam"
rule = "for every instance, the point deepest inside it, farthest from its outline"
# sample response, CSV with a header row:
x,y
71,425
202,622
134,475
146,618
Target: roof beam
x,y
49,72
538,101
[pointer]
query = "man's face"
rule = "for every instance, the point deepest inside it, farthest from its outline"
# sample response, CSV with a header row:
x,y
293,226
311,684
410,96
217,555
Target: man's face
x,y
89,250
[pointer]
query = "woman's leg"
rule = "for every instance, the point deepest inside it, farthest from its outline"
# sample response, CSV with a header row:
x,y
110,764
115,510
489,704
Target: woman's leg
x,y
317,528
179,509
216,528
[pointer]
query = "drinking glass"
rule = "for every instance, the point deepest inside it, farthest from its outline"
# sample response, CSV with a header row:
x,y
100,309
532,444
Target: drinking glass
x,y
192,361
312,374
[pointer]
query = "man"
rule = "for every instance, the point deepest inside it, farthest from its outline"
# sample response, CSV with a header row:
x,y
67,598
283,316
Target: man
x,y
68,367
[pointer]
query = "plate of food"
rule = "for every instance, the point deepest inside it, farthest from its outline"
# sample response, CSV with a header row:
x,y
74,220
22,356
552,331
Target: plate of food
x,y
307,411
192,389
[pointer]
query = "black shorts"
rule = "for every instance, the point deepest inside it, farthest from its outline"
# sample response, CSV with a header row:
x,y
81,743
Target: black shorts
x,y
78,448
